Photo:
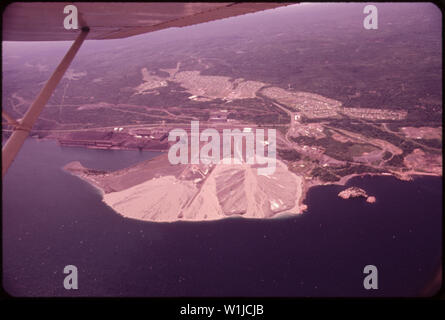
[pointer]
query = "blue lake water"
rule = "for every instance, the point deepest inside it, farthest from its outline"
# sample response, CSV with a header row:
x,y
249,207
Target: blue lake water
x,y
52,219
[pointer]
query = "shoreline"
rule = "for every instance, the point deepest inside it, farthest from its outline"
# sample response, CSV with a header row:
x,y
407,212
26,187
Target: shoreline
x,y
89,181
280,215
344,180
299,205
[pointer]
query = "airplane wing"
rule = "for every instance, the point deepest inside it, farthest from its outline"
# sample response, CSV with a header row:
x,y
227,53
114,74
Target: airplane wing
x,y
43,21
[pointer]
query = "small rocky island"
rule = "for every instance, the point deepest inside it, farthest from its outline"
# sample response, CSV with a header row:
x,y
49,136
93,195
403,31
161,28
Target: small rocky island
x,y
354,192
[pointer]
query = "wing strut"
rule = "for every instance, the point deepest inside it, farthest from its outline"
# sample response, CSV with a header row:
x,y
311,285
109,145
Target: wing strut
x,y
10,119
22,128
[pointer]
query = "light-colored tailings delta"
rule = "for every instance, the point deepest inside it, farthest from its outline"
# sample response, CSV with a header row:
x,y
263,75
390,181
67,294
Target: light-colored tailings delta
x,y
210,192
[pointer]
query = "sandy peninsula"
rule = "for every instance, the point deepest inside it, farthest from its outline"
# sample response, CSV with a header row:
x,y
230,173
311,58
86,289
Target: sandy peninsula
x,y
156,190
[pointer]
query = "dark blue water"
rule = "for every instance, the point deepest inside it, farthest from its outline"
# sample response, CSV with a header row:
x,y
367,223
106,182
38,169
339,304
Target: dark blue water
x,y
52,219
